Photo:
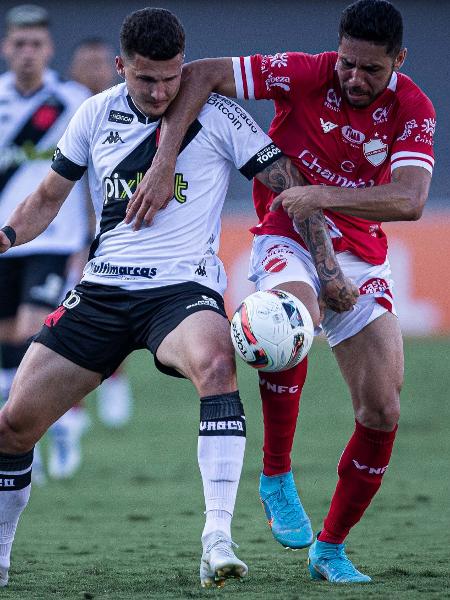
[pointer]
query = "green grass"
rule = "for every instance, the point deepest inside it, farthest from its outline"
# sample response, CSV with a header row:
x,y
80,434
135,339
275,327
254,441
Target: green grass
x,y
128,526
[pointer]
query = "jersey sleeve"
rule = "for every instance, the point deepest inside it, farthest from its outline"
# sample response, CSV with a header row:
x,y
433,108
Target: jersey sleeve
x,y
273,77
413,146
71,156
236,136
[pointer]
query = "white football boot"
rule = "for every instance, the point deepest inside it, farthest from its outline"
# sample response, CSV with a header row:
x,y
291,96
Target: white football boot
x,y
219,562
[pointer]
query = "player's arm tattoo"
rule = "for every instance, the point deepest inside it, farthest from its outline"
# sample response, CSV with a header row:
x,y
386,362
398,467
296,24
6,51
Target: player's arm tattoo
x,y
316,236
338,293
283,174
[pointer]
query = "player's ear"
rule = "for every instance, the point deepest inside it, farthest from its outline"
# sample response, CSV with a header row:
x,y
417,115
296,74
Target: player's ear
x,y
400,59
120,67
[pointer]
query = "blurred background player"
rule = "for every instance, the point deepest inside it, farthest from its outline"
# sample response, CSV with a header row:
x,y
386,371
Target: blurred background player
x,y
35,108
93,66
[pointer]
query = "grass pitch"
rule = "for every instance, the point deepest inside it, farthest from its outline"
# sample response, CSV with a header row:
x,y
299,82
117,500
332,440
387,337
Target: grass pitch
x,y
128,525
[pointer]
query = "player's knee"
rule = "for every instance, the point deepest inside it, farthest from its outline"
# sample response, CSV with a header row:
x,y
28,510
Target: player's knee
x,y
384,417
217,369
15,439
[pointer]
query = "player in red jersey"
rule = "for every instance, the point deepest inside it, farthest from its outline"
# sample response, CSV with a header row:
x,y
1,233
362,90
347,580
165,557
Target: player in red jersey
x,y
361,133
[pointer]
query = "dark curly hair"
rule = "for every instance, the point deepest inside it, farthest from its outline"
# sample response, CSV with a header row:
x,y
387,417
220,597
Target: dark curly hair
x,y
155,33
376,21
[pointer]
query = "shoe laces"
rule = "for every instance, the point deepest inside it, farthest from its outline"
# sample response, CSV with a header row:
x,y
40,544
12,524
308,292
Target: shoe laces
x,y
286,503
226,546
337,560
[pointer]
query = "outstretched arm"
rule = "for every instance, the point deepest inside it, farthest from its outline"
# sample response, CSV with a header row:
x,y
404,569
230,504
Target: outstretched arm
x,y
199,79
337,292
401,200
32,216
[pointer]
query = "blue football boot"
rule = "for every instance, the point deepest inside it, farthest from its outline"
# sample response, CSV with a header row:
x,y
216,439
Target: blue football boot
x,y
287,518
329,561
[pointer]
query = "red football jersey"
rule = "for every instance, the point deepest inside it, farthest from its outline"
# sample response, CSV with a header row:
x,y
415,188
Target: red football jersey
x,y
333,143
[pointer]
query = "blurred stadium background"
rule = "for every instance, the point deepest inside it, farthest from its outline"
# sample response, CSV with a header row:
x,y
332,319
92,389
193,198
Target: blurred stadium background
x,y
128,525
217,28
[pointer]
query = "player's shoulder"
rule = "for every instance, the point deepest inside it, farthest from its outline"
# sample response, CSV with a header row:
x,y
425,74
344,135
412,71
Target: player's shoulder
x,y
6,81
408,90
72,92
299,66
105,99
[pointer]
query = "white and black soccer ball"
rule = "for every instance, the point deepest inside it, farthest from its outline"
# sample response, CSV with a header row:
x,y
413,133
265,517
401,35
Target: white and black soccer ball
x,y
272,330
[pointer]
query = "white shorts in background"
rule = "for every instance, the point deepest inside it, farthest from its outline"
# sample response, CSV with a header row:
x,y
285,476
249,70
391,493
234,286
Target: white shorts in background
x,y
276,259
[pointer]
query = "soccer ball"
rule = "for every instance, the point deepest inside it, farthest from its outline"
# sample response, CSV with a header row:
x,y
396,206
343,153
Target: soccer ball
x,y
272,330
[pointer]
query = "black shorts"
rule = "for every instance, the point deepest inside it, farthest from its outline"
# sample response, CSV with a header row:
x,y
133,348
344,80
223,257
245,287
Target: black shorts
x,y
97,326
36,279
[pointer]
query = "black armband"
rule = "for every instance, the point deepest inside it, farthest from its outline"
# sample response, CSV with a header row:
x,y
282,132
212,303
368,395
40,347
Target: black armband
x,y
10,234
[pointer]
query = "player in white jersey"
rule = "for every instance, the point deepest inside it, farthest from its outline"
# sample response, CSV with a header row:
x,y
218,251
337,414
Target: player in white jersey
x,y
92,65
35,108
158,288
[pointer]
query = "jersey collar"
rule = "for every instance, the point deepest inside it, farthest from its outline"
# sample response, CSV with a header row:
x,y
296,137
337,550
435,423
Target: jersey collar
x,y
140,115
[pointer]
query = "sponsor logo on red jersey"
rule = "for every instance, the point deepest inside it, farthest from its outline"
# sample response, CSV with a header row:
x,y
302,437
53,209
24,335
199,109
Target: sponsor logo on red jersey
x,y
333,101
352,135
409,126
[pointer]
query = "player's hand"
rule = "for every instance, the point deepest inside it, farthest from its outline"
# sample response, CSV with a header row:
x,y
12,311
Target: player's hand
x,y
300,202
154,192
339,294
5,244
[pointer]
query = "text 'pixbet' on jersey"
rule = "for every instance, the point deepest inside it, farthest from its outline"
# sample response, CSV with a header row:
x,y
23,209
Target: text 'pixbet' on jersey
x,y
120,188
117,188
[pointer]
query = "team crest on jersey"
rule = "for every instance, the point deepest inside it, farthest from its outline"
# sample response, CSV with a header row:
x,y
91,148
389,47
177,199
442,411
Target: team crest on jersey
x,y
375,151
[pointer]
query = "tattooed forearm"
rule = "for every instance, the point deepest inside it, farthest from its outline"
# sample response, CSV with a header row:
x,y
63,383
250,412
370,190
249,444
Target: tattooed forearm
x,y
315,234
338,292
281,175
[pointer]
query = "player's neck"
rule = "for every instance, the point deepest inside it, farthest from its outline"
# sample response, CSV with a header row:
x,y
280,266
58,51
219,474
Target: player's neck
x,y
27,85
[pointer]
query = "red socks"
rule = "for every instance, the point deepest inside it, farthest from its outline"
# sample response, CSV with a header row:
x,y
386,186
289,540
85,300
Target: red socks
x,y
360,470
280,395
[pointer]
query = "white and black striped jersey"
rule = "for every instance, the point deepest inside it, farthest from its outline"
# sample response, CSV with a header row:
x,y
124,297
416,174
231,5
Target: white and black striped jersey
x,y
30,129
116,142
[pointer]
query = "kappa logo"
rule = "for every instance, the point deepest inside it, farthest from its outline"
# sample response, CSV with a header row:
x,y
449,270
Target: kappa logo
x,y
201,268
113,138
327,126
375,151
116,116
370,470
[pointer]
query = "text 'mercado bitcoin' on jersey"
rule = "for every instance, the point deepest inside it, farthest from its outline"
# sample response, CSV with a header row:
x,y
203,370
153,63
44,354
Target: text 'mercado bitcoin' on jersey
x,y
116,142
30,129
333,143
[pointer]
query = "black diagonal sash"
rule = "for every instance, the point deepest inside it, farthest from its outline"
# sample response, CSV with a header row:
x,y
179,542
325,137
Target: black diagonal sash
x,y
131,169
32,131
